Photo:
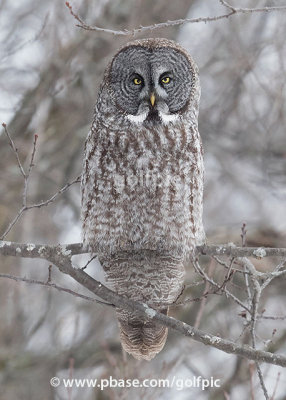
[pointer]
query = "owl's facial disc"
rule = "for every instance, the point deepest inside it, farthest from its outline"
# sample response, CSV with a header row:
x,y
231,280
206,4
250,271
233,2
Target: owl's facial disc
x,y
151,86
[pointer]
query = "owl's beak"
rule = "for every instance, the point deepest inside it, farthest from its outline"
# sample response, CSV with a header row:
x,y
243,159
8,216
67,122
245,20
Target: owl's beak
x,y
152,99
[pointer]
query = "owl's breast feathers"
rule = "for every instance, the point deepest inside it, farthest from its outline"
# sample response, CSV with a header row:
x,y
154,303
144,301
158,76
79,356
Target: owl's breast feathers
x,y
143,189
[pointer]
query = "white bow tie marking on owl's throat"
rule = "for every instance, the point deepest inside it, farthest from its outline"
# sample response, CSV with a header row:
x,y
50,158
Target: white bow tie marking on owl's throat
x,y
167,118
140,118
137,119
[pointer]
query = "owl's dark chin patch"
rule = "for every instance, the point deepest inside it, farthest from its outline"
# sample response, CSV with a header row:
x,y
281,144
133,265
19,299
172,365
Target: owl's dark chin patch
x,y
152,118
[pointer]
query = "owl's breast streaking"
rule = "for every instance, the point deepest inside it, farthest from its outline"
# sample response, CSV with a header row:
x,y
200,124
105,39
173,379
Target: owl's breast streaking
x,y
142,189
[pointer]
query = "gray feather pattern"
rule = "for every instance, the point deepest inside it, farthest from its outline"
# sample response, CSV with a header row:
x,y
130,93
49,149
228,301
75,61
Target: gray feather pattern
x,y
142,187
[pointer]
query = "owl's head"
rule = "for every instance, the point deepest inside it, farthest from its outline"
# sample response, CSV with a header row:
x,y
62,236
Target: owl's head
x,y
153,81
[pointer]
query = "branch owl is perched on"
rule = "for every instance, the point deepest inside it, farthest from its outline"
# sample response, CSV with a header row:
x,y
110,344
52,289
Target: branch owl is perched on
x,y
142,181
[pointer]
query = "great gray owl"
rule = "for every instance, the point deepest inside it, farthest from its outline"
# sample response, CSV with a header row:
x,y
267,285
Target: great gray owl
x,y
142,181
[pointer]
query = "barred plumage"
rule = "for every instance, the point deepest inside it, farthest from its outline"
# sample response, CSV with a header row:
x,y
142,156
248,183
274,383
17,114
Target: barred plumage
x,y
142,182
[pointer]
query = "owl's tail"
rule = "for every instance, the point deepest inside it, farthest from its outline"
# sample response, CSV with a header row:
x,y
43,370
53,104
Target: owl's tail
x,y
147,277
142,339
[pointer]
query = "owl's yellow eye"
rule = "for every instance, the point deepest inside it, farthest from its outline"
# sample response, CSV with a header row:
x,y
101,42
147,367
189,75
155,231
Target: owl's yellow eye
x,y
137,81
166,79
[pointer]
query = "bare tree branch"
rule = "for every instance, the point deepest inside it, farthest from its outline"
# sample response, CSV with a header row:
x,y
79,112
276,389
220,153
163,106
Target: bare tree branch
x,y
15,150
60,256
231,250
254,312
251,10
26,176
72,249
233,10
43,203
217,286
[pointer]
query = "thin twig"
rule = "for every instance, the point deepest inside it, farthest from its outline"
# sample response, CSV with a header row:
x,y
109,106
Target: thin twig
x,y
89,261
251,368
272,317
43,203
252,10
225,265
204,300
13,222
54,286
15,150
49,274
276,385
207,278
257,290
51,199
27,176
224,3
243,235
